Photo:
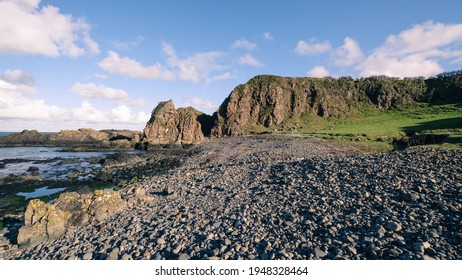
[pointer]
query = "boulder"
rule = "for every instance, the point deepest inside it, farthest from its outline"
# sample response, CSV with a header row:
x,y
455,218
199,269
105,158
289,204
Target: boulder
x,y
49,221
105,204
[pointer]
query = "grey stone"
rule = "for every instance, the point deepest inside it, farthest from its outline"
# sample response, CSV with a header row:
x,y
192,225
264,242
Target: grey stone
x,y
319,253
87,256
394,226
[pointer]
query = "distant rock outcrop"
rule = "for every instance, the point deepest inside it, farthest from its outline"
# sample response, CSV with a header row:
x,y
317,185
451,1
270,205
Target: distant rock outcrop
x,y
24,138
81,139
170,126
86,135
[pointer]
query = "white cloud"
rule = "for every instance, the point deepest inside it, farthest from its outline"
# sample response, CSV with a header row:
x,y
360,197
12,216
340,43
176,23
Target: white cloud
x,y
413,65
244,44
312,47
200,104
99,76
17,107
267,36
193,68
30,29
248,59
348,54
128,67
221,77
94,91
415,52
17,80
120,114
127,45
318,72
422,37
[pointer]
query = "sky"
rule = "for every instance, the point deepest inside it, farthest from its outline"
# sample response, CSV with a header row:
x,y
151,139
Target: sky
x,y
106,64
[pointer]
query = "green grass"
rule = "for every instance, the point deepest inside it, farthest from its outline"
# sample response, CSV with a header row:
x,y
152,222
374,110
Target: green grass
x,y
377,129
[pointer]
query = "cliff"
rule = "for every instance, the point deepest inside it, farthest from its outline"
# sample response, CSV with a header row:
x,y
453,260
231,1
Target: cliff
x,y
270,100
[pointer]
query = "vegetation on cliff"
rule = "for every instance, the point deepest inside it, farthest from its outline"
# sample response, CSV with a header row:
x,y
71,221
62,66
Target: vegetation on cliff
x,y
378,109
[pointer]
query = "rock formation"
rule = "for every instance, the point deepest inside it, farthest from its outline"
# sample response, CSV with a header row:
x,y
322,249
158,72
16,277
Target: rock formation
x,y
45,221
270,100
83,138
49,221
170,126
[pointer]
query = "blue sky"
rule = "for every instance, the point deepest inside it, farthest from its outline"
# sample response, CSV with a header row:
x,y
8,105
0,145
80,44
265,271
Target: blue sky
x,y
106,64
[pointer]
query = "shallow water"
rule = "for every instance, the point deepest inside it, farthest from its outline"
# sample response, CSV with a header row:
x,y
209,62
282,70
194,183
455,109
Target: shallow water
x,y
58,166
39,192
44,153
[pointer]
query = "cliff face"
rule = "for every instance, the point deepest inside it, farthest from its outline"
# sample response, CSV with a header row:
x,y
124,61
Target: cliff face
x,y
269,100
170,126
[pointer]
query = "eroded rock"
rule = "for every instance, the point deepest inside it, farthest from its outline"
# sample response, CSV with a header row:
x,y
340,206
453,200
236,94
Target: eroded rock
x,y
49,221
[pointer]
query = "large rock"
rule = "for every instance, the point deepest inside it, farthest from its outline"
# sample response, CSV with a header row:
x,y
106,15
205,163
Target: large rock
x,y
49,221
105,204
170,126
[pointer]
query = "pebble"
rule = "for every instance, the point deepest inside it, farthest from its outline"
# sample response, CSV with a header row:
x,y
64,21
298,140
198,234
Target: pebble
x,y
282,198
319,253
394,226
184,257
87,256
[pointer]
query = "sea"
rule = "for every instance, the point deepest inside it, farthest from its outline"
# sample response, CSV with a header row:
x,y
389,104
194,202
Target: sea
x,y
49,163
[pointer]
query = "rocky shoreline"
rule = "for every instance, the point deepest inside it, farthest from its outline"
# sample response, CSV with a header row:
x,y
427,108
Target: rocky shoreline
x,y
268,197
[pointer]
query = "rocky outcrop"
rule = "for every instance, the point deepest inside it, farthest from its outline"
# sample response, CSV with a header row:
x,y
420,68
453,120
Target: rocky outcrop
x,y
49,221
81,139
270,100
24,138
170,126
85,135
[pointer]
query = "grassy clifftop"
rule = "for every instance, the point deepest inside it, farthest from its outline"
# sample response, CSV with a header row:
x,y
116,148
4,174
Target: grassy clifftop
x,y
380,110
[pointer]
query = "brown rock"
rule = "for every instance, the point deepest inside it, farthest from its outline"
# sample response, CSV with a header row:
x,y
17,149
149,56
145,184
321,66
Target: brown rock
x,y
49,221
80,135
106,204
170,126
268,101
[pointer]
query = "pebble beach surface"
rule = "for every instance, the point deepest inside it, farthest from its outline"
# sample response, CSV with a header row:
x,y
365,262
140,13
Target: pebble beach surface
x,y
268,197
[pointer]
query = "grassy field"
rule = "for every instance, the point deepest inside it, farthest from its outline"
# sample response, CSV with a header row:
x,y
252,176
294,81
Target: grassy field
x,y
378,129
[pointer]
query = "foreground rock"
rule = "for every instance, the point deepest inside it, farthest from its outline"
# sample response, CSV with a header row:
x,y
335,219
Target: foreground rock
x,y
49,221
282,198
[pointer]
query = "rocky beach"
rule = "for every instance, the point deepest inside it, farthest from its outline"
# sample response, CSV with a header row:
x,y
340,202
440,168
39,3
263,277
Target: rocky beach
x,y
267,197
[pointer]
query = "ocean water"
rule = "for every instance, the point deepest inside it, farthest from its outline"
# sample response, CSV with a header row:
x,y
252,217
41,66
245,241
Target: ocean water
x,y
58,164
39,192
